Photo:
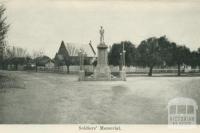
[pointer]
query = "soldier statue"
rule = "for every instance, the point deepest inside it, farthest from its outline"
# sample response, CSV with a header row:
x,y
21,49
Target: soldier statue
x,y
101,35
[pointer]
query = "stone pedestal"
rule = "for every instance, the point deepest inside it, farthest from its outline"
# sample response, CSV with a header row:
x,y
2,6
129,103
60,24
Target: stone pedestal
x,y
102,70
81,75
123,74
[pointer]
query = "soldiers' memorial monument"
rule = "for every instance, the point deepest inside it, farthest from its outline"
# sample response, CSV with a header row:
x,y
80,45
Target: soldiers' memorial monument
x,y
102,71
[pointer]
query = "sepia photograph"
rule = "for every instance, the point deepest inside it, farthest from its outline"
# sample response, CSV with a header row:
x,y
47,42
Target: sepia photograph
x,y
100,62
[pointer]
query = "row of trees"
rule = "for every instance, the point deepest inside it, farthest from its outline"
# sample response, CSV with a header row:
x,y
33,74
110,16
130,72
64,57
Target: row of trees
x,y
153,52
14,55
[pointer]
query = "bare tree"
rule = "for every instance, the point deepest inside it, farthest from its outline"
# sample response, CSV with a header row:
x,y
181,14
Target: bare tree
x,y
72,49
36,55
13,51
15,56
3,31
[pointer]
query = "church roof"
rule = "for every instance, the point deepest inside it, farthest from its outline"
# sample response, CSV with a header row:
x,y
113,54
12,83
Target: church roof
x,y
62,50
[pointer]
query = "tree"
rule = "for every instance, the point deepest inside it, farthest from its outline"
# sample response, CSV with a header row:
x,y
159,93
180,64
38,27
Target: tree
x,y
160,51
36,56
155,52
13,51
165,49
15,56
198,58
17,61
72,50
181,56
117,48
65,55
114,54
3,31
194,59
149,54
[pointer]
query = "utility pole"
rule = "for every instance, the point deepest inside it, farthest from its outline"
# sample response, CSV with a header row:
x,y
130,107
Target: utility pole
x,y
123,54
121,61
123,70
81,71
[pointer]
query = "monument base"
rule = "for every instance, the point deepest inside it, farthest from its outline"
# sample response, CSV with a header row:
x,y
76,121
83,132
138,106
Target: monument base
x,y
81,75
102,73
123,74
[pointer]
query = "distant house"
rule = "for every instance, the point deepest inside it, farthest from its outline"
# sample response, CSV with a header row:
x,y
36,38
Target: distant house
x,y
62,58
75,60
45,61
50,64
16,63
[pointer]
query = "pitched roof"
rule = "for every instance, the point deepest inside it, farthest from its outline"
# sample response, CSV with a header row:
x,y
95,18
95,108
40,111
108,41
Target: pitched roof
x,y
63,51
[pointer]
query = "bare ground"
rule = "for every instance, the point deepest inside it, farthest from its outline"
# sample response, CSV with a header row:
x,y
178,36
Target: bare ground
x,y
46,98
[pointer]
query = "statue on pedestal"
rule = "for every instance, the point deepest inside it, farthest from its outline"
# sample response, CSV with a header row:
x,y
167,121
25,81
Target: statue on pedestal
x,y
102,70
101,31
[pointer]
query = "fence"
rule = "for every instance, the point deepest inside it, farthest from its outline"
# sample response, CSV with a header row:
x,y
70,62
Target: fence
x,y
146,70
114,69
63,69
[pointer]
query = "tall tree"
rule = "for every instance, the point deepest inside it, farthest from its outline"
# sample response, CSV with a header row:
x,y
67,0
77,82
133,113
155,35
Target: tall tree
x,y
117,49
198,58
165,49
3,31
149,54
194,59
181,56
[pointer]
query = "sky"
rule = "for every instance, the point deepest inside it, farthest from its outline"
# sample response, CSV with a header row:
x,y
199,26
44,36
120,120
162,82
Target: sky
x,y
43,24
